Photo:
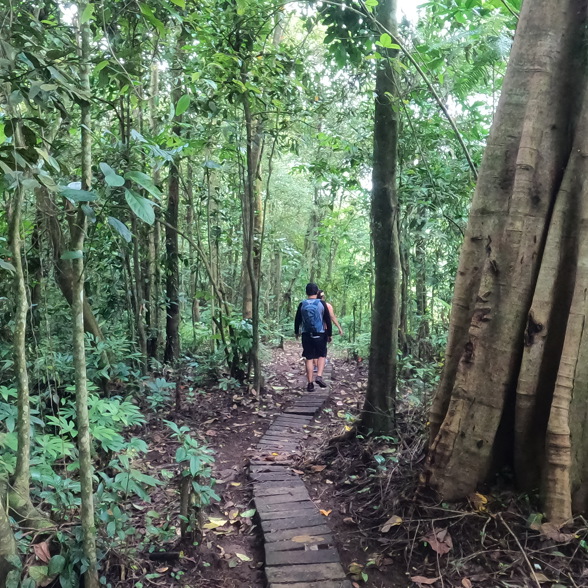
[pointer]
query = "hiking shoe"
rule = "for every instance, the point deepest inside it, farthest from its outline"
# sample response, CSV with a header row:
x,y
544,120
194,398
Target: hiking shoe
x,y
310,387
319,380
315,369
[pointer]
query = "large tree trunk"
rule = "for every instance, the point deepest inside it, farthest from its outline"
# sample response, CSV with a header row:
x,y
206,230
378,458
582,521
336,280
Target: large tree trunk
x,y
378,410
514,389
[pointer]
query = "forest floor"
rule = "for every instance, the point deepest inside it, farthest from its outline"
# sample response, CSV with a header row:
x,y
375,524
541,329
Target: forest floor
x,y
389,534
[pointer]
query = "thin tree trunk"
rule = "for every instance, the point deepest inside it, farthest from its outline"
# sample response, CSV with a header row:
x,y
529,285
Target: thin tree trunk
x,y
379,410
153,289
172,215
79,351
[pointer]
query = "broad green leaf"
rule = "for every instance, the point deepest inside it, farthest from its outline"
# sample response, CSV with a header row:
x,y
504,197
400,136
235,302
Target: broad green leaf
x,y
7,266
180,3
144,181
147,12
248,513
72,254
110,176
120,228
77,195
56,565
38,573
87,14
182,104
241,6
142,207
386,41
89,212
100,66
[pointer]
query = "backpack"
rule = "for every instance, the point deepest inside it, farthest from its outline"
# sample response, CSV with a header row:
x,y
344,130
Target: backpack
x,y
312,311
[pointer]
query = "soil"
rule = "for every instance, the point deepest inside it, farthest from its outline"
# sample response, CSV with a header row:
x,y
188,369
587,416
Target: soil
x,y
389,534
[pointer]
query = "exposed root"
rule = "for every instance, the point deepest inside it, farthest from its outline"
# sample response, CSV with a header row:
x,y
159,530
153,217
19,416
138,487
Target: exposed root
x,y
491,539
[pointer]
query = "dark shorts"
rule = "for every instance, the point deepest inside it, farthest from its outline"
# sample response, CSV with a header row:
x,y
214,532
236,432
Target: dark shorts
x,y
315,346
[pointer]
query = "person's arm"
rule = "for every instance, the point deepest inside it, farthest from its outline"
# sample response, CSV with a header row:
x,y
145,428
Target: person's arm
x,y
327,320
298,320
334,318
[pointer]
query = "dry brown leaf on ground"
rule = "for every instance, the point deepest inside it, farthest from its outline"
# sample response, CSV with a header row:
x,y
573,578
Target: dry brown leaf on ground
x,y
440,541
318,468
42,551
466,583
393,521
423,580
552,531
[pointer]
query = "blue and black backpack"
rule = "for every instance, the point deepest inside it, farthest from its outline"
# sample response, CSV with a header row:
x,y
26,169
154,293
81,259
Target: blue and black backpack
x,y
312,311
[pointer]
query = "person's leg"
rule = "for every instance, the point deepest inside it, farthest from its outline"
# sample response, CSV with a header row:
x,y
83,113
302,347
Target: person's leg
x,y
321,365
309,366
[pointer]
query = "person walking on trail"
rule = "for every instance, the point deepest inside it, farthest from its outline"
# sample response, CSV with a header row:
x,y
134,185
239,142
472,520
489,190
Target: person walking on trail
x,y
321,296
314,322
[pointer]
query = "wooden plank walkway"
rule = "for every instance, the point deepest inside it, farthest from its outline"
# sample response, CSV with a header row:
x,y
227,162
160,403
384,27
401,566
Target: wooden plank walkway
x,y
299,547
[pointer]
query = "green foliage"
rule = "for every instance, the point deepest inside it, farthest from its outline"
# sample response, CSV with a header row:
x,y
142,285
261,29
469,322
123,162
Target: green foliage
x,y
196,461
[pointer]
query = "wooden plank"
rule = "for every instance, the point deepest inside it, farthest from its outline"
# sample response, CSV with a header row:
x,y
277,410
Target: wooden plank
x,y
284,434
272,443
294,495
269,467
294,522
271,477
292,419
310,556
284,505
305,573
262,490
319,584
320,541
300,532
285,513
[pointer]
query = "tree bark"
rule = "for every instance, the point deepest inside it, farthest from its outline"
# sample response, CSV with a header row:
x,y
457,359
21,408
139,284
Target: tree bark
x,y
378,410
172,215
78,233
63,269
514,385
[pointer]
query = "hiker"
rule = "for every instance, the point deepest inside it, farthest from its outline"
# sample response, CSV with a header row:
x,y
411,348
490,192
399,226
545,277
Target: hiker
x,y
314,320
321,295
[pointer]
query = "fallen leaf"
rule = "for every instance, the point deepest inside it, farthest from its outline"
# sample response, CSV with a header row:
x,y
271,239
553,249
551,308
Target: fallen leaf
x,y
423,580
235,483
215,523
162,570
325,513
243,557
541,577
355,568
479,501
42,551
440,541
466,583
393,521
299,472
553,532
318,468
248,513
534,521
